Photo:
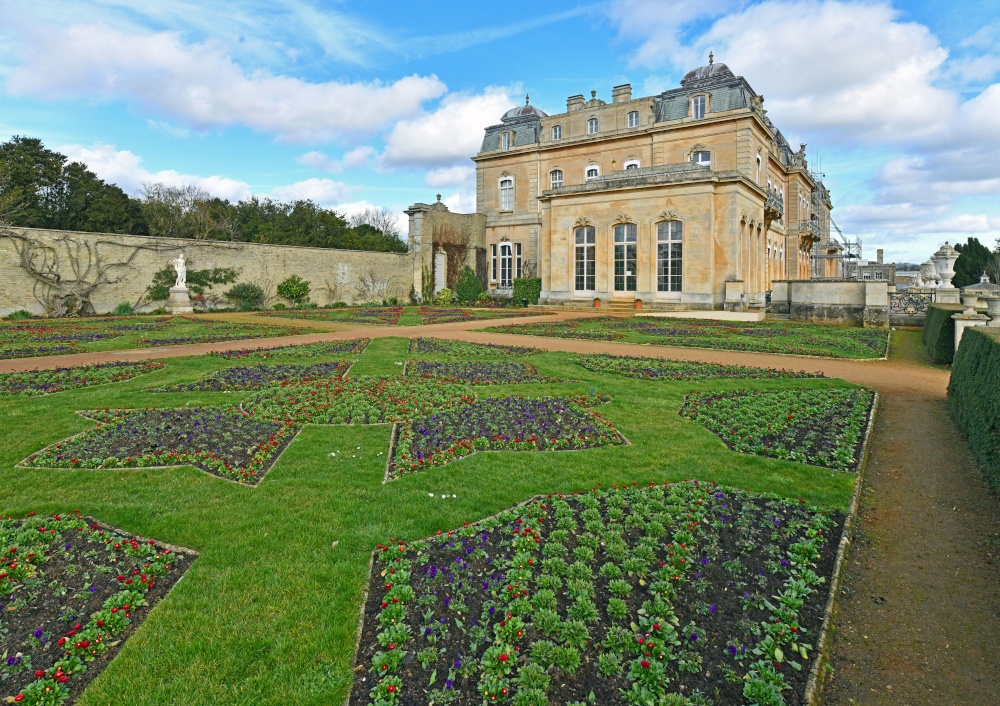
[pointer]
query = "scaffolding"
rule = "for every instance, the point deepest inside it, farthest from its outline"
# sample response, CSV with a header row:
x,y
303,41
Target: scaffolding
x,y
843,249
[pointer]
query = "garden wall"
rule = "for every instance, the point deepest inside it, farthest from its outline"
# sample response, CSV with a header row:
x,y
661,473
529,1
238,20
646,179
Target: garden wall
x,y
130,261
851,302
974,396
939,332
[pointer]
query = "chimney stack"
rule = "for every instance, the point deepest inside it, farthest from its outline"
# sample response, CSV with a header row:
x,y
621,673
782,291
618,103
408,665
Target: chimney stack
x,y
574,103
878,255
622,93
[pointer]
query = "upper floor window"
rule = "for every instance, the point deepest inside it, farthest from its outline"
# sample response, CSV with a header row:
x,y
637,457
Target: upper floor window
x,y
557,179
632,164
633,119
878,274
592,126
757,179
702,159
505,141
506,194
593,172
557,132
698,104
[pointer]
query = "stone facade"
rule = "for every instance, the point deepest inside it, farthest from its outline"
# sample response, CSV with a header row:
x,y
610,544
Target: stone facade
x,y
442,243
335,275
852,302
704,156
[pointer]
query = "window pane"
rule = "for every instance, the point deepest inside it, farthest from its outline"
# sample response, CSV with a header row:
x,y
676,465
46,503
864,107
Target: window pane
x,y
591,234
556,132
494,259
592,126
557,178
633,119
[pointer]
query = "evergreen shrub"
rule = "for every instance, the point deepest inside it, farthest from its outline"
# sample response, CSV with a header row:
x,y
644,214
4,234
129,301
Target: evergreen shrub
x,y
939,332
974,396
529,288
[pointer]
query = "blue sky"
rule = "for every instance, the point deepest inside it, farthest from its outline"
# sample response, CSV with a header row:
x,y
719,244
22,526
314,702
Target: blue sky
x,y
383,102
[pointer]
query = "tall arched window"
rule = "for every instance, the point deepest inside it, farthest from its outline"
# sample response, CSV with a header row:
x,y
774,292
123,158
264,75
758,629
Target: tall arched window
x,y
585,238
669,260
507,194
625,266
506,279
557,178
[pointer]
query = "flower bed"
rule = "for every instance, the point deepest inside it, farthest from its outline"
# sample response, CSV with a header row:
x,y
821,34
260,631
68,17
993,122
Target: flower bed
x,y
254,377
220,441
27,351
499,424
223,331
821,427
761,337
462,348
378,315
690,594
45,382
365,400
440,315
558,329
71,593
308,350
663,369
478,372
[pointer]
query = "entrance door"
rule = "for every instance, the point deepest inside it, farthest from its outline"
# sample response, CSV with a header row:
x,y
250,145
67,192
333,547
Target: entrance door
x,y
506,266
625,244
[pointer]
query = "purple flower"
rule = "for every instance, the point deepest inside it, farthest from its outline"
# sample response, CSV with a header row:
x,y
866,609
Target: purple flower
x,y
694,638
38,633
449,684
711,609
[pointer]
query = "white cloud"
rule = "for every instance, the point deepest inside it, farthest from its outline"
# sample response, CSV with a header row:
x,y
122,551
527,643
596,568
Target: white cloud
x,y
349,209
125,169
324,192
167,128
200,85
461,201
450,134
451,176
353,159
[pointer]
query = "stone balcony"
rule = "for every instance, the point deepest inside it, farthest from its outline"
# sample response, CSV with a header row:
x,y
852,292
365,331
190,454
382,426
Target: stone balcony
x,y
644,176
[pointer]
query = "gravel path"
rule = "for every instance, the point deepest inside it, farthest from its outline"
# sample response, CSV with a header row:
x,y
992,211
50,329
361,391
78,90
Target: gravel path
x,y
919,615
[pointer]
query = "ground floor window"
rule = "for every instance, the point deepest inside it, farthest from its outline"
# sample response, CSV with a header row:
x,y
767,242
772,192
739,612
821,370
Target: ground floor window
x,y
625,244
669,259
506,263
586,238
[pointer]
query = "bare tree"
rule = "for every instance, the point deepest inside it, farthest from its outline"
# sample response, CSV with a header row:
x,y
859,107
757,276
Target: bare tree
x,y
381,219
993,268
68,270
373,287
172,211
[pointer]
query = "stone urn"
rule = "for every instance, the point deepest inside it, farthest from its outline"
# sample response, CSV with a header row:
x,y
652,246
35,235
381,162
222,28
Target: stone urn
x,y
970,300
928,273
993,309
944,261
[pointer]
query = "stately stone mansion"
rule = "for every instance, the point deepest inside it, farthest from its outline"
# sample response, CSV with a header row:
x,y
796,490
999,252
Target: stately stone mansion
x,y
681,199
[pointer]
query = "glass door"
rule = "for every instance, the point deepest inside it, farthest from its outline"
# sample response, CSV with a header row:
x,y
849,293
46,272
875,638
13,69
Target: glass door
x,y
506,266
625,244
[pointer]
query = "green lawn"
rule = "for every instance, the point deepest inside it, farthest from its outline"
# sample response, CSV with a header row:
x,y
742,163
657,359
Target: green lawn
x,y
787,337
269,612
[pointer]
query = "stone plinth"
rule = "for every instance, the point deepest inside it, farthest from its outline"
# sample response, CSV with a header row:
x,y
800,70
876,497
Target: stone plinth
x,y
964,321
179,301
947,296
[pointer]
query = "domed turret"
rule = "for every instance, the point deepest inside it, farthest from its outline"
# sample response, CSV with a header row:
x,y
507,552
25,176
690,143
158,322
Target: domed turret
x,y
524,111
713,70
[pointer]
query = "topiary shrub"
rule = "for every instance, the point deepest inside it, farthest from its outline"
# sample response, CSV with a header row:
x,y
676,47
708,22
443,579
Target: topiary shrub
x,y
468,288
246,296
939,332
974,396
529,288
295,289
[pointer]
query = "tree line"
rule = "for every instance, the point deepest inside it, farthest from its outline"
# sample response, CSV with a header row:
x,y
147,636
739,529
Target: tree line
x,y
41,188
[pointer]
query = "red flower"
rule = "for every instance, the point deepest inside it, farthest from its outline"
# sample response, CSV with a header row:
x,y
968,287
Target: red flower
x,y
391,688
645,664
503,658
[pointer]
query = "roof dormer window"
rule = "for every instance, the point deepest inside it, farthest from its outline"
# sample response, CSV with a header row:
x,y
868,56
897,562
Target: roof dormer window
x,y
592,126
698,106
505,141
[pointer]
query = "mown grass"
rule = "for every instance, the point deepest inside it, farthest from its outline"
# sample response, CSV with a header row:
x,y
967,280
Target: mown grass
x,y
269,612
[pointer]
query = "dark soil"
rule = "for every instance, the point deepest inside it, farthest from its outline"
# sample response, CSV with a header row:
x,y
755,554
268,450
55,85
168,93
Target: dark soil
x,y
58,598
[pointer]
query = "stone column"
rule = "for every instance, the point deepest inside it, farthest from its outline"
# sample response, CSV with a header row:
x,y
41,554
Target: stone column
x,y
964,321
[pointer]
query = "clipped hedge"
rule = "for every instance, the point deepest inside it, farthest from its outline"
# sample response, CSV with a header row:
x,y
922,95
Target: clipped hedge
x,y
939,332
974,396
529,288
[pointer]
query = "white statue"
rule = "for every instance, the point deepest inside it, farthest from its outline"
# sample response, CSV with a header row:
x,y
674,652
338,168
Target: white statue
x,y
181,270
